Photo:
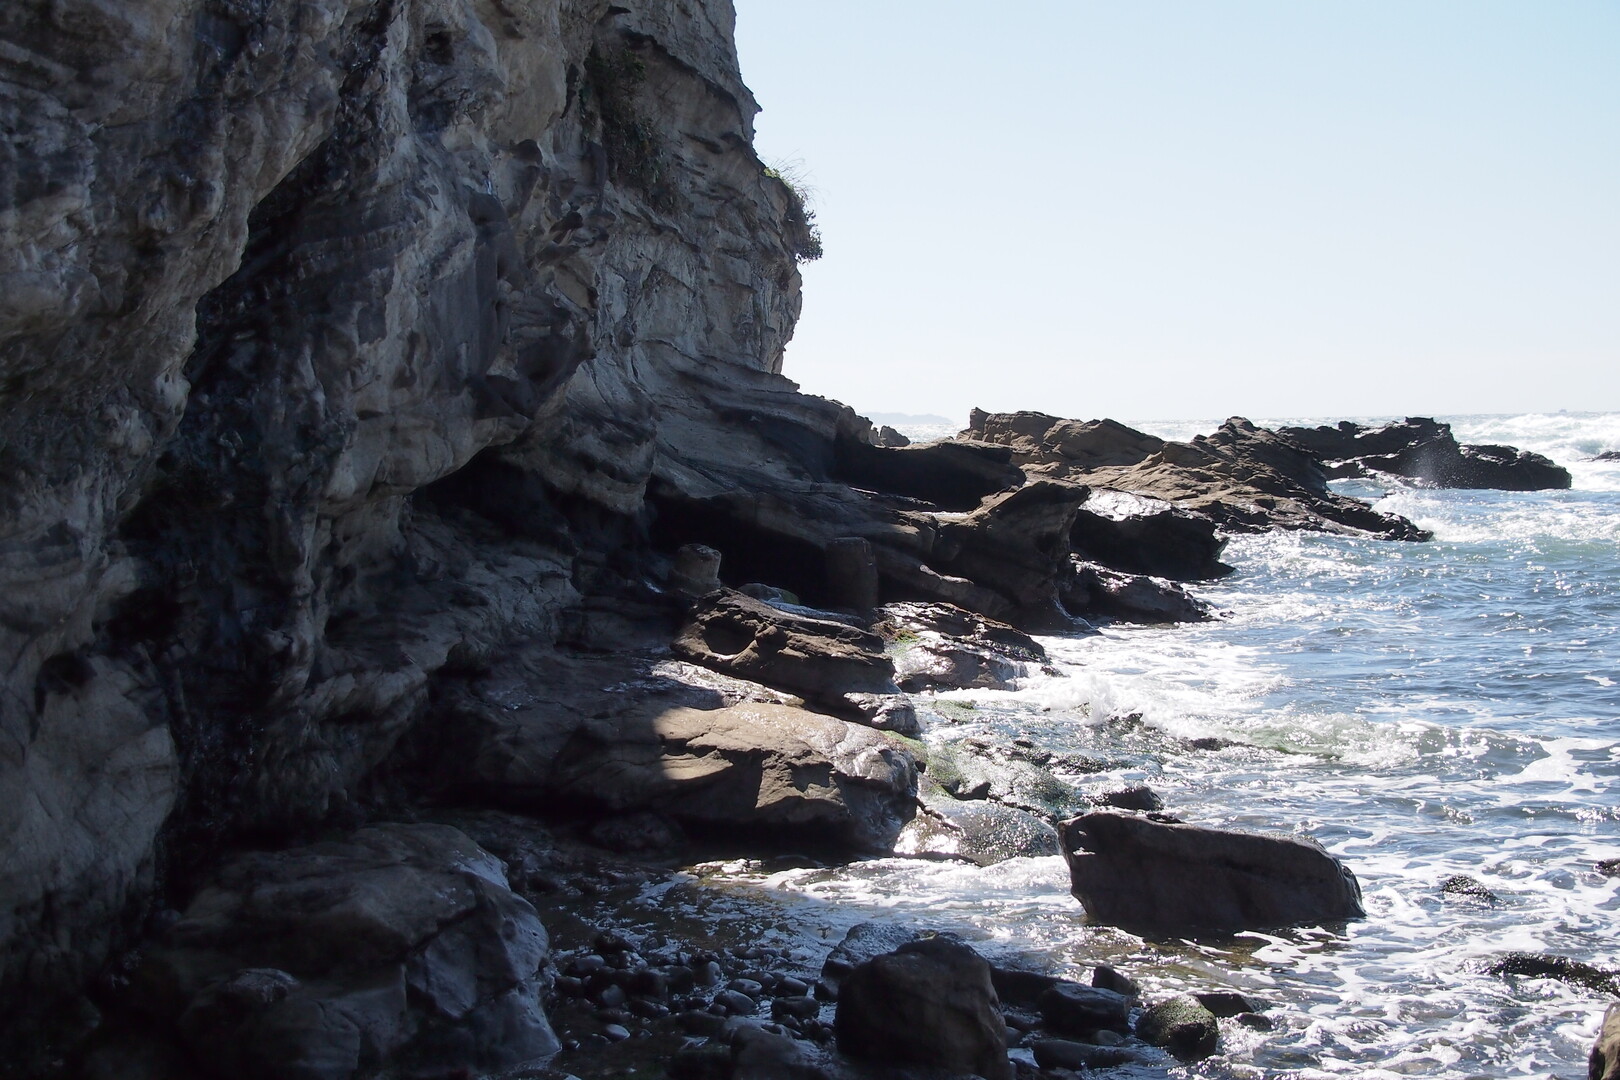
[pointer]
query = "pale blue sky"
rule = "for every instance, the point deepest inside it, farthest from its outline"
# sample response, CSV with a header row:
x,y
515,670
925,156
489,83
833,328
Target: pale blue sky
x,y
1151,209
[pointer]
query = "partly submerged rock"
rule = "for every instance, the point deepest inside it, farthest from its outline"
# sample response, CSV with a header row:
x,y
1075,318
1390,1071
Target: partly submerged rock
x,y
1170,878
929,1003
1426,450
1142,535
979,831
1095,590
944,647
1562,968
1182,1026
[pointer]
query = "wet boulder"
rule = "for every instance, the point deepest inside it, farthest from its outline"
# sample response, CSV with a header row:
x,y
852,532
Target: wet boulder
x,y
1172,878
944,647
929,1003
1094,590
973,769
861,943
830,663
316,962
979,831
1141,535
1182,1026
1072,1009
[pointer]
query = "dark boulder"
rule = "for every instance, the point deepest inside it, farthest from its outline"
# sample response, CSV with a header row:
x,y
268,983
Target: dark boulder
x,y
941,646
1142,535
1562,968
1171,878
929,1003
1095,590
861,943
1182,1026
1071,1009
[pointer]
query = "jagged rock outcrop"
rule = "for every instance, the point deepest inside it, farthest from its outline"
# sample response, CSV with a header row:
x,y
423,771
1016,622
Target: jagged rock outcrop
x,y
1425,450
340,342
1242,477
316,962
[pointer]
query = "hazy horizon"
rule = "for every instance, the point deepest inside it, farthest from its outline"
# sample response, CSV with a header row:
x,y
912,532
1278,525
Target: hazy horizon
x,y
1173,211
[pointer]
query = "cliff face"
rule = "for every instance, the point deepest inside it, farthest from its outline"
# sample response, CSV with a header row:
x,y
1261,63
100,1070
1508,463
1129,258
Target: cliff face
x,y
339,342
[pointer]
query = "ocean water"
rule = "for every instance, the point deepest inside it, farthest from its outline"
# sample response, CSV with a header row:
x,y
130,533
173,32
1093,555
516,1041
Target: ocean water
x,y
1423,710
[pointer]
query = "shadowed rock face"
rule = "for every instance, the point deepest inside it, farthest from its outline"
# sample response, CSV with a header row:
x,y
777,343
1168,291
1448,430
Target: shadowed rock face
x,y
339,342
1169,878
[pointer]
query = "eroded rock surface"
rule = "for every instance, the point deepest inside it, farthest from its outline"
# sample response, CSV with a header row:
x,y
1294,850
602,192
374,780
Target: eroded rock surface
x,y
312,963
1425,450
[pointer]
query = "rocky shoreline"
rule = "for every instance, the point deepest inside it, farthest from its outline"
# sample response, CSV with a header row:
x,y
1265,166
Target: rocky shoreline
x,y
409,539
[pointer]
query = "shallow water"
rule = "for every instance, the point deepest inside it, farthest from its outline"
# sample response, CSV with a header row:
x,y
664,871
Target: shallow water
x,y
1423,710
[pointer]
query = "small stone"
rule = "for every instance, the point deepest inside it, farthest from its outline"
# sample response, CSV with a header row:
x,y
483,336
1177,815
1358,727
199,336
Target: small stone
x,y
1072,1009
746,986
611,996
1609,867
1461,885
1130,797
1063,1054
1255,1021
1104,977
801,1007
793,987
709,974
648,1010
735,1002
568,986
1225,1003
586,965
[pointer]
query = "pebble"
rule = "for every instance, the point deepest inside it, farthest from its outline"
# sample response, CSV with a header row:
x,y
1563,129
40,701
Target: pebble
x,y
793,987
746,986
801,1007
735,1002
709,974
587,965
616,1032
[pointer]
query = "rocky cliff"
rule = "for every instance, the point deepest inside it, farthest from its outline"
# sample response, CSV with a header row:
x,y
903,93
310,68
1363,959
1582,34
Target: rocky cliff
x,y
341,341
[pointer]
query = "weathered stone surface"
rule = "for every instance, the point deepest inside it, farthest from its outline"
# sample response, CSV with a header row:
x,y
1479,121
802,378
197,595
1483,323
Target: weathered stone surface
x,y
1158,877
820,659
1562,968
950,475
269,275
1182,1026
929,1003
974,769
313,962
1425,450
941,646
1604,1062
979,831
861,943
1095,590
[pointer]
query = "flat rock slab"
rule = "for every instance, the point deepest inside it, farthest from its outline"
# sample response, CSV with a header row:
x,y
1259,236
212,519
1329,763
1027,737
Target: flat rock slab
x,y
763,767
1162,877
